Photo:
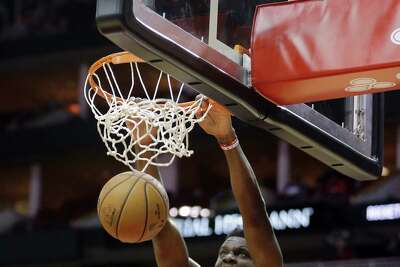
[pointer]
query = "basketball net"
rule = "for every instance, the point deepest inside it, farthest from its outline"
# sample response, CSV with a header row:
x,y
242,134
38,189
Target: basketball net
x,y
130,126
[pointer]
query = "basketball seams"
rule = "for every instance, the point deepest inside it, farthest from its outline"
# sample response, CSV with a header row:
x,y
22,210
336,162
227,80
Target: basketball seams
x,y
124,204
164,201
147,212
121,226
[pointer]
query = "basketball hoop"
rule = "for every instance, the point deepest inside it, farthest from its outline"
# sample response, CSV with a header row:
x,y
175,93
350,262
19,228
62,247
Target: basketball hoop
x,y
125,120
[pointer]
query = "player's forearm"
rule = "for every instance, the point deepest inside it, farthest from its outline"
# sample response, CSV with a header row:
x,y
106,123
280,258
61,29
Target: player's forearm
x,y
257,227
169,248
243,180
244,185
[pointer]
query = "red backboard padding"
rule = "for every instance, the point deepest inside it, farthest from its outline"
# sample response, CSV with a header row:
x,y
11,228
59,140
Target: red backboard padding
x,y
306,51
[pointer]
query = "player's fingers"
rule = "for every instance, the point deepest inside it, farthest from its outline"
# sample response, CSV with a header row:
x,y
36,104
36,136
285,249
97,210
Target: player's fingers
x,y
204,103
201,96
200,112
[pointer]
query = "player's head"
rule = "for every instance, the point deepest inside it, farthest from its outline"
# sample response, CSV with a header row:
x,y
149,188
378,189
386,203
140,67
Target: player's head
x,y
234,251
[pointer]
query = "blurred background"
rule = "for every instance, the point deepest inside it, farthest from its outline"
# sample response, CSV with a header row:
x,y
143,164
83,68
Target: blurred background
x,y
53,165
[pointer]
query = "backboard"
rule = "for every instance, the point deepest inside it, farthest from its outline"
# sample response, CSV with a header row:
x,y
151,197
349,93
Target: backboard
x,y
194,40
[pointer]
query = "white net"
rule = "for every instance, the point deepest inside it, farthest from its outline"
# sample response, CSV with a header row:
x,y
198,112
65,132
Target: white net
x,y
141,128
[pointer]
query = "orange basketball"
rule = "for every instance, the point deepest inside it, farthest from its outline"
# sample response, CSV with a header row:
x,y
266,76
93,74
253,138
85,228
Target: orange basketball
x,y
133,207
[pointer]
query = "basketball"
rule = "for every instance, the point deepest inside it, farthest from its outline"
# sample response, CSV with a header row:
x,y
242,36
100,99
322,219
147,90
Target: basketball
x,y
133,207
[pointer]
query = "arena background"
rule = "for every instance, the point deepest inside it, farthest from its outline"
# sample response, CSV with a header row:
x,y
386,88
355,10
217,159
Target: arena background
x,y
53,165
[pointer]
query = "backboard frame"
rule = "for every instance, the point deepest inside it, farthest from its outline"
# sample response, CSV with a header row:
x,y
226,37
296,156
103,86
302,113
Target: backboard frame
x,y
134,27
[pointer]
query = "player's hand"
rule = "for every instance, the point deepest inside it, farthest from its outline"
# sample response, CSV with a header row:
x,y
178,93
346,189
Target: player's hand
x,y
218,121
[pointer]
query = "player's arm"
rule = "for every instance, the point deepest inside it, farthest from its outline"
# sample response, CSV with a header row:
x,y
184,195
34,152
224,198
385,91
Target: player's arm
x,y
169,247
260,237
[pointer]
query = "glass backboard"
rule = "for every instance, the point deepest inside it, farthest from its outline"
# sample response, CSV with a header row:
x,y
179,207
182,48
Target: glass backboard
x,y
194,41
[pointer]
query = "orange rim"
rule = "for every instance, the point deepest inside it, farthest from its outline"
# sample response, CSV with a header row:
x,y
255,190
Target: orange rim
x,y
123,58
116,58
